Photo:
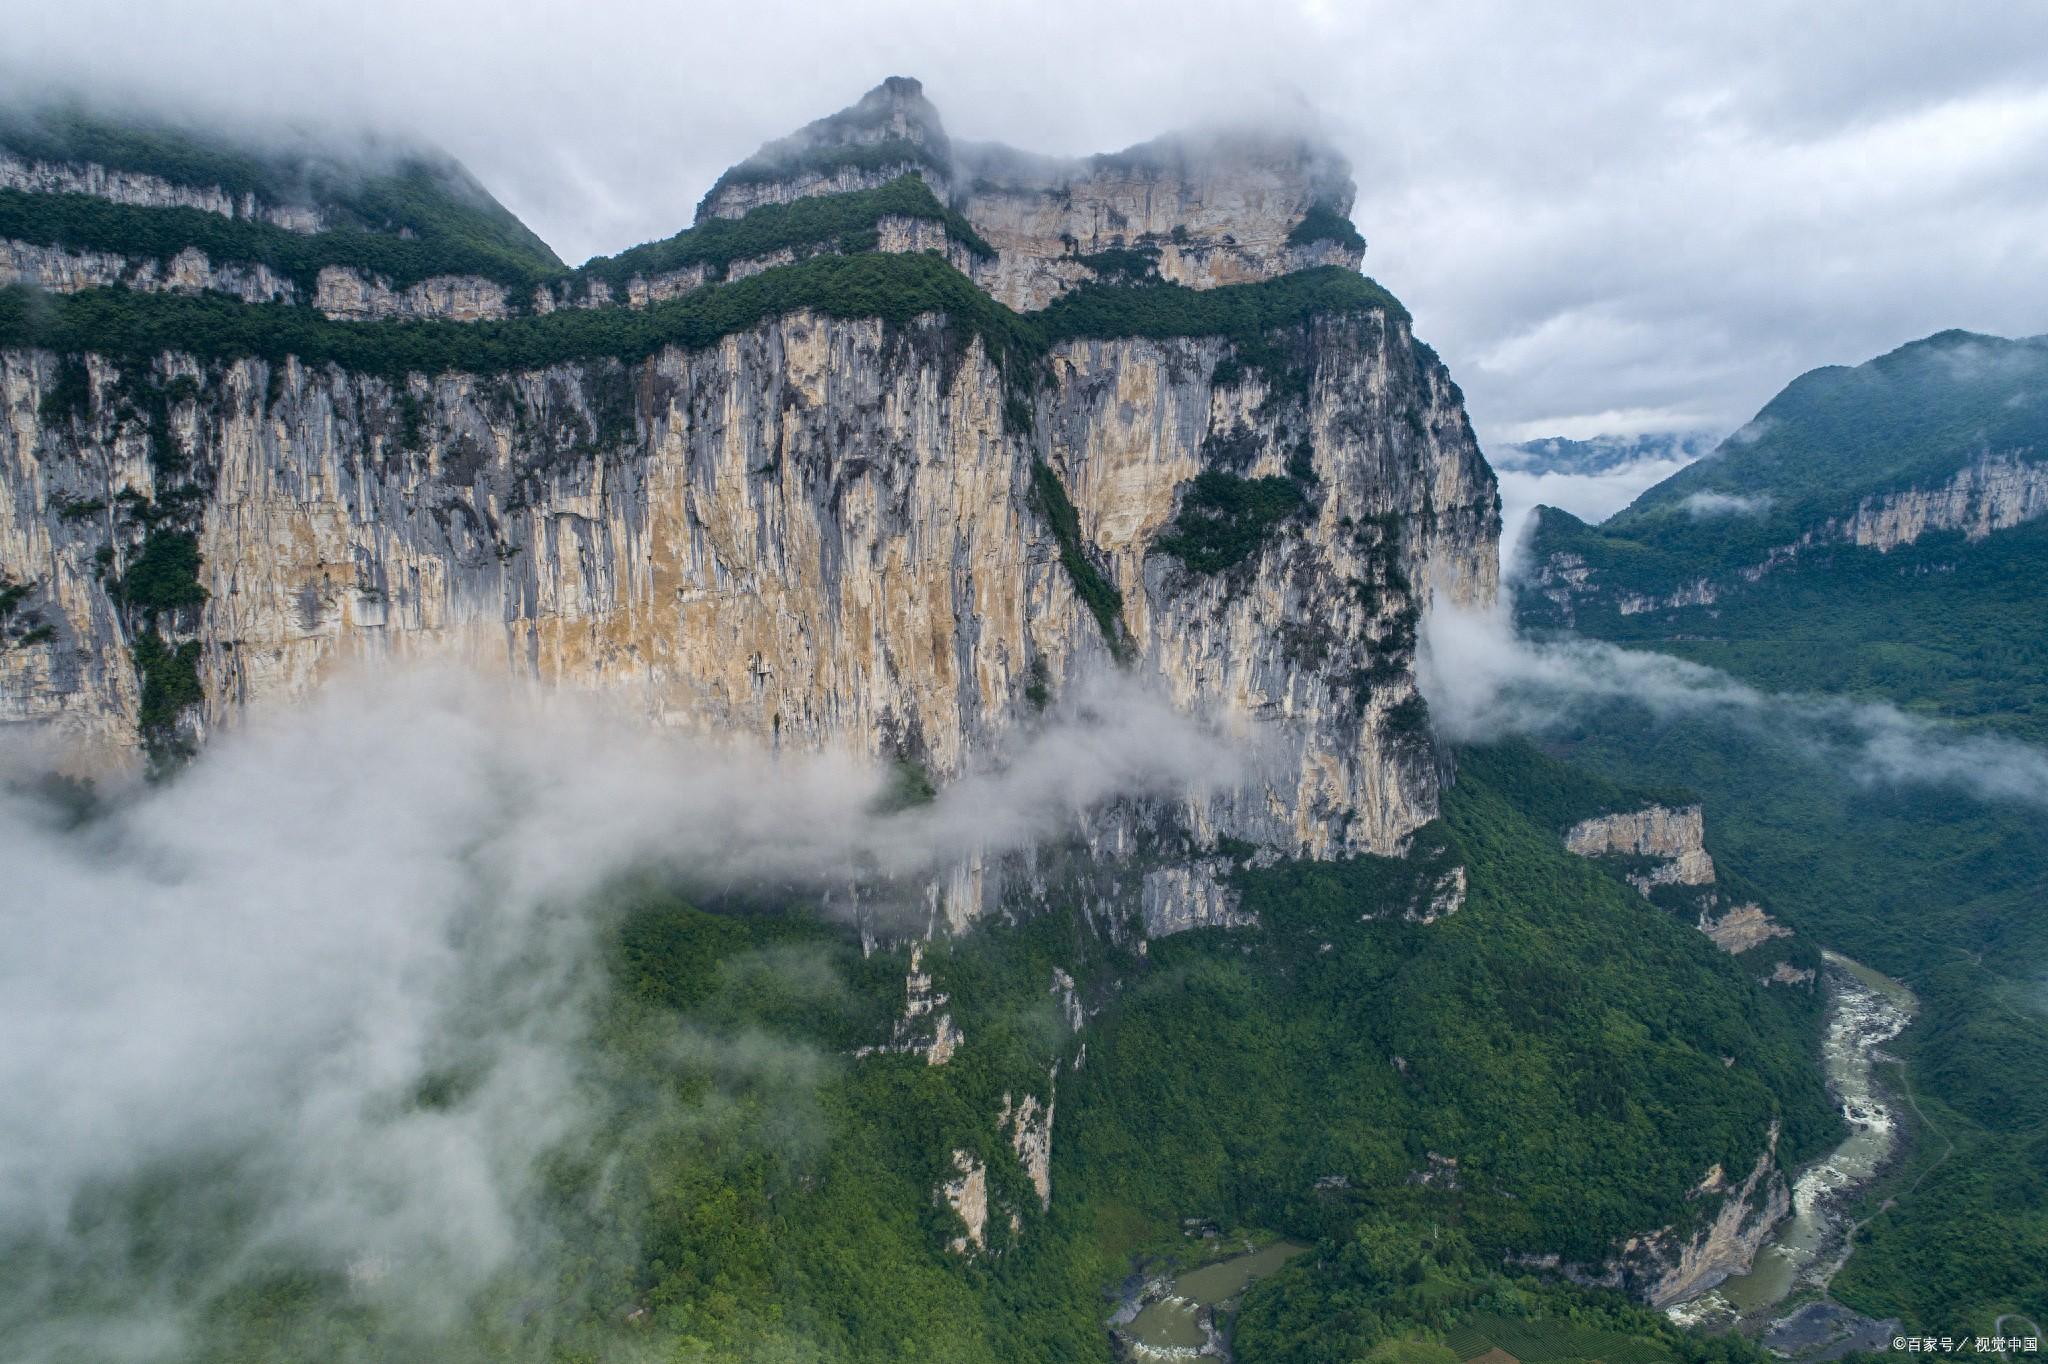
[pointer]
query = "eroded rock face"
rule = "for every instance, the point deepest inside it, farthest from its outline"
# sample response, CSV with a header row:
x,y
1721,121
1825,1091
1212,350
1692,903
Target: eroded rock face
x,y
350,296
1215,211
1663,1267
1665,1271
1676,837
966,1194
148,191
924,1028
891,131
1030,1128
1199,211
817,531
1995,493
1741,928
1209,211
1674,841
188,272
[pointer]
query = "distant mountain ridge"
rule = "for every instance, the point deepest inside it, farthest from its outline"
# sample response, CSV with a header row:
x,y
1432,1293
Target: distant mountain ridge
x,y
1943,437
1600,454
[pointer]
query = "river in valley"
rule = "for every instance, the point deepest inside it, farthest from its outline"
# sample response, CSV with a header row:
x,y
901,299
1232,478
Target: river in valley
x,y
1865,1011
1175,1318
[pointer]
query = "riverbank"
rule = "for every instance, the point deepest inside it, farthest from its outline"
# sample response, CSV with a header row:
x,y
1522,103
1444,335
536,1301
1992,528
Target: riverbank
x,y
1183,1315
1783,1299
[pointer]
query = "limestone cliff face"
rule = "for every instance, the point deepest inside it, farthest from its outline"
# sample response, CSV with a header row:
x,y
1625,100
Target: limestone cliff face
x,y
1994,493
828,532
966,1196
1201,212
892,130
1664,1268
818,531
349,295
1219,211
188,272
1675,838
1667,1266
149,191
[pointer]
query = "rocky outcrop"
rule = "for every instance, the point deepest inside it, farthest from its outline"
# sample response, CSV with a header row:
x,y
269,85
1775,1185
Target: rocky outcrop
x,y
966,1196
924,1028
1030,1128
1668,1266
1434,896
1994,493
827,532
188,272
1741,928
1208,211
1202,212
350,296
1674,839
1666,847
148,191
1663,1270
1193,895
891,131
1991,493
342,294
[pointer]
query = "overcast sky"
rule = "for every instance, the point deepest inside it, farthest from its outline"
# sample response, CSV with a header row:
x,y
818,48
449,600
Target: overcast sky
x,y
1608,217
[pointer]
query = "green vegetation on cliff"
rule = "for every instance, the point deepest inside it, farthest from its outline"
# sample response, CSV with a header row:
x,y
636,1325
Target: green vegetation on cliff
x,y
886,154
1831,439
1224,519
1325,222
1403,1289
1943,626
83,222
133,326
1942,890
717,242
1095,590
137,327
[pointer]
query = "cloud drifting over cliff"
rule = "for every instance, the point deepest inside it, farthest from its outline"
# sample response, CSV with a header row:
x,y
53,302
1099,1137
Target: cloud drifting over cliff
x,y
1607,217
1483,682
241,983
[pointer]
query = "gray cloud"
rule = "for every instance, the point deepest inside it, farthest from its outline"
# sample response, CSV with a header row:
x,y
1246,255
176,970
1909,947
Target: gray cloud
x,y
1607,218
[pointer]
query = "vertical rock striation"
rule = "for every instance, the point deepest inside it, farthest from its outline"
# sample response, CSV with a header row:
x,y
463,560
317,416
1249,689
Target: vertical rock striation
x,y
821,529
